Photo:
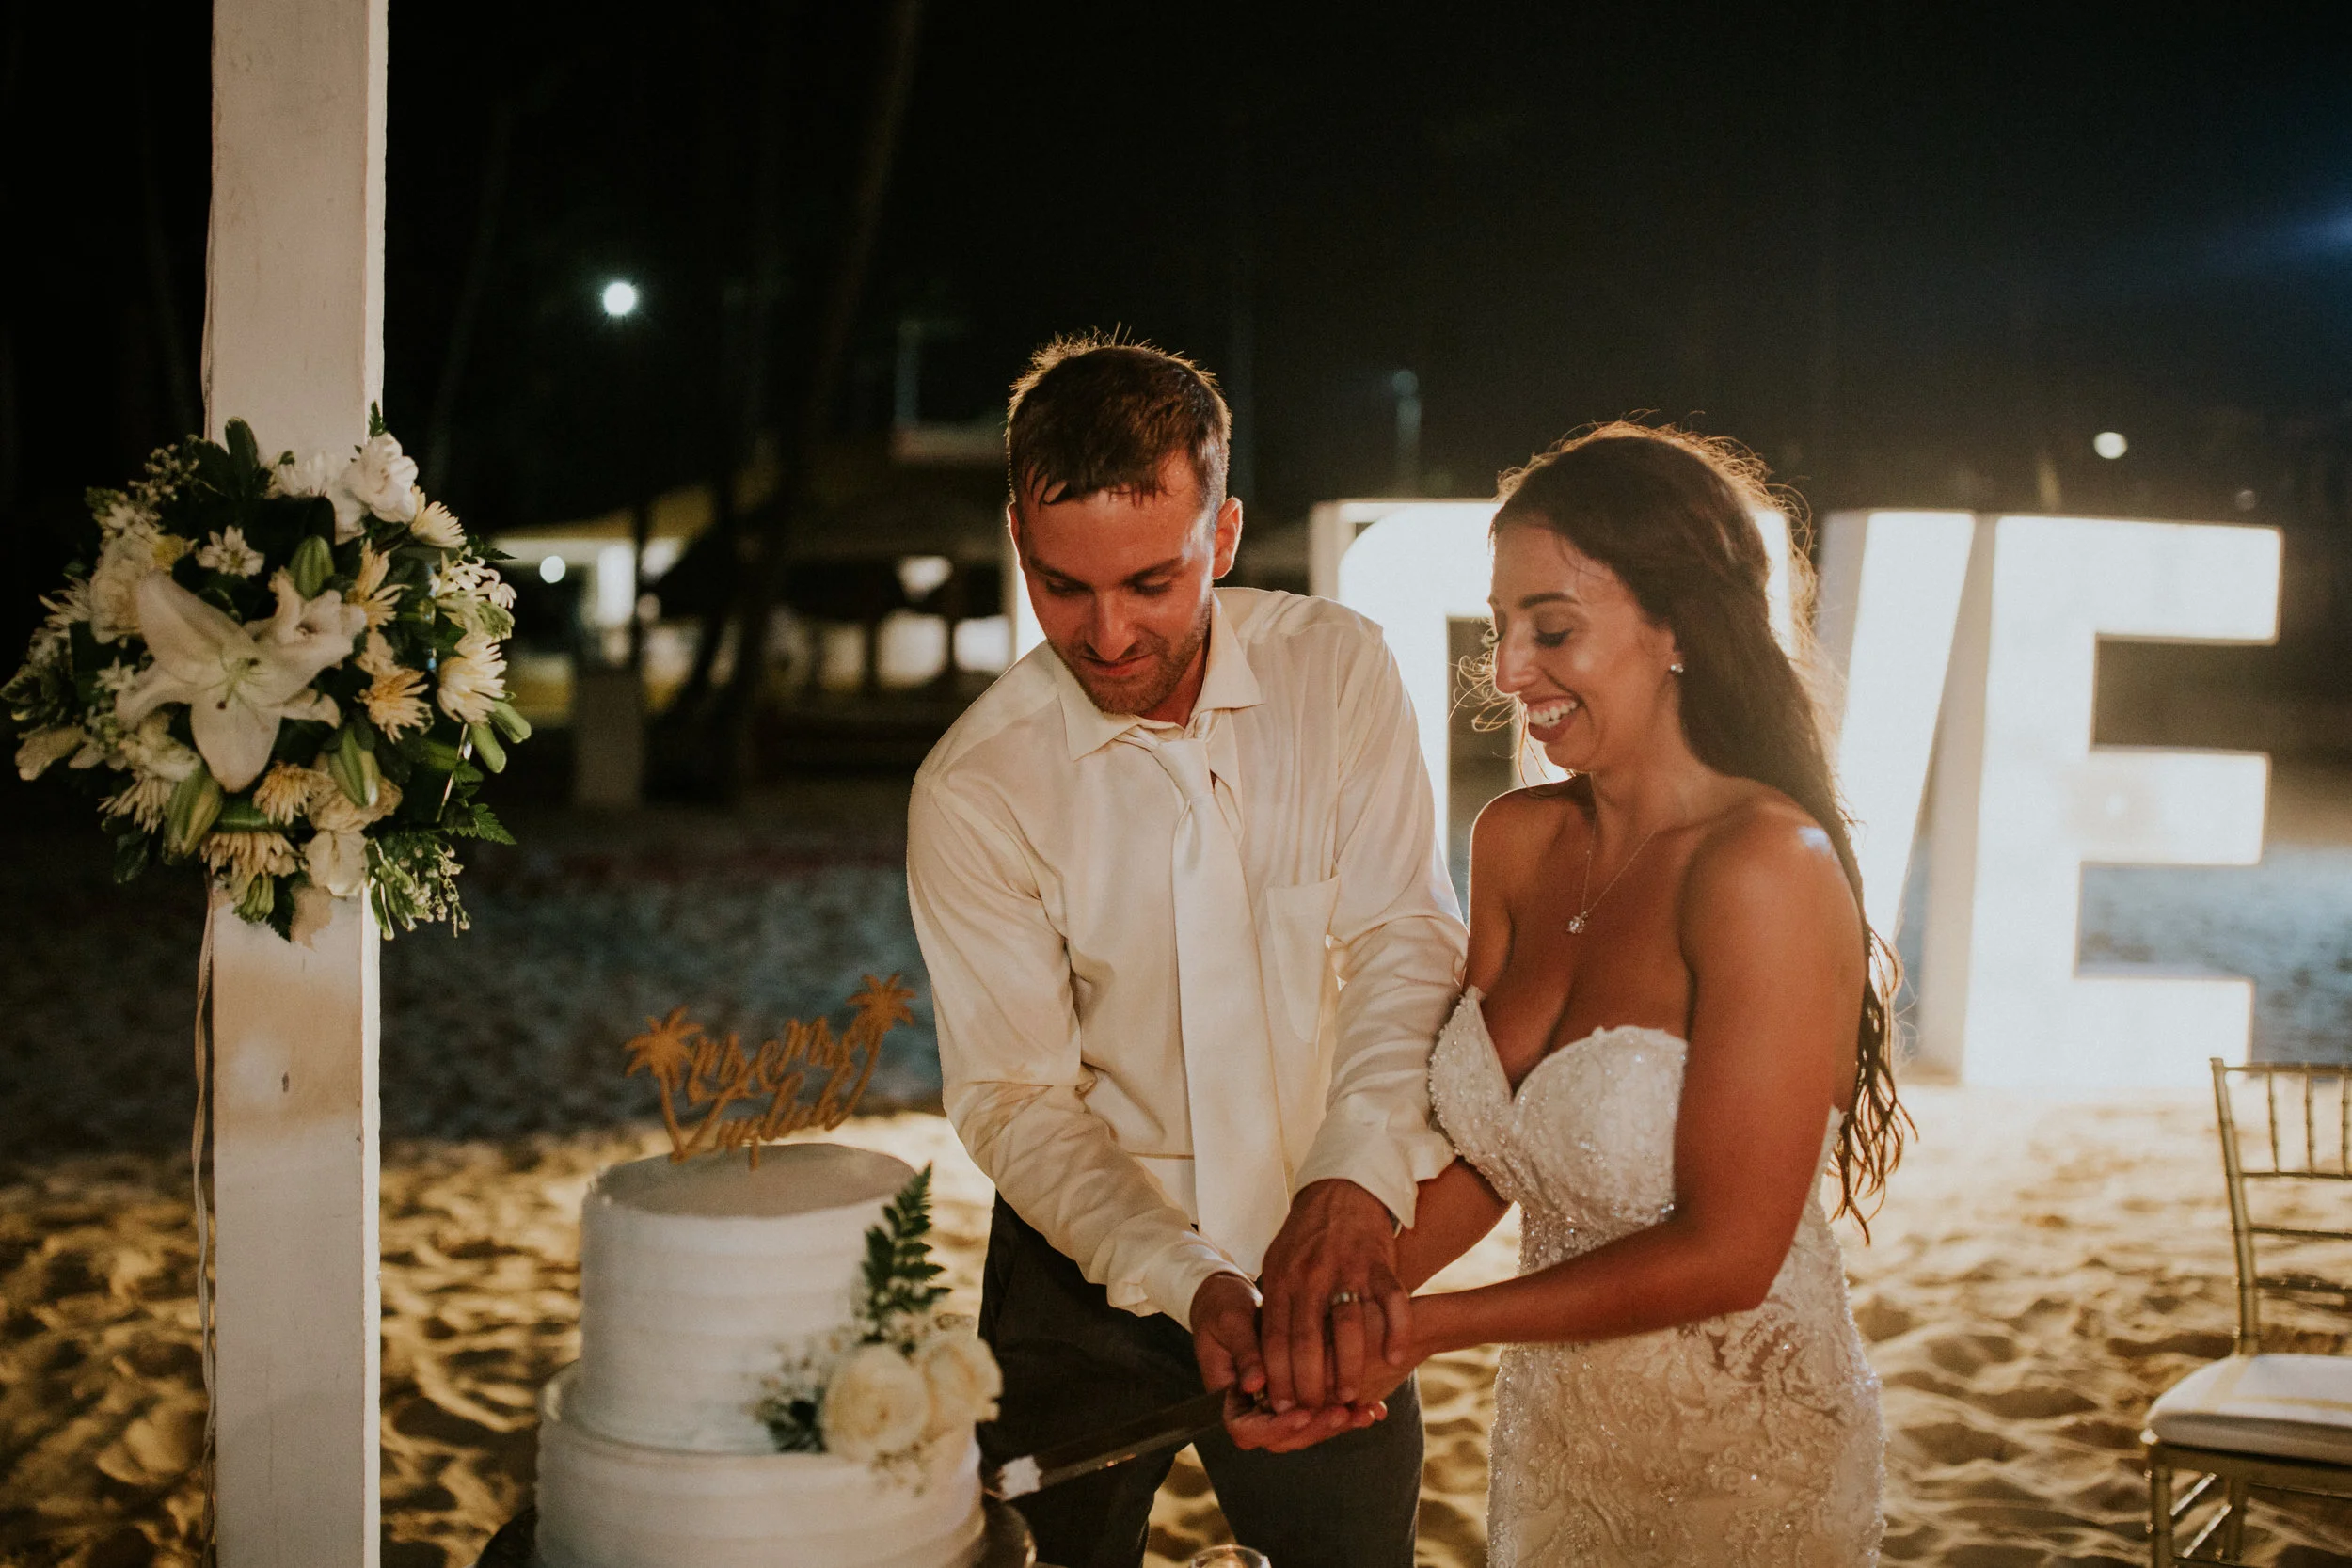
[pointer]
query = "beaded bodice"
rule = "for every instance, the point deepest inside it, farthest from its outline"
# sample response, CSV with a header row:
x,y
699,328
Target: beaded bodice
x,y
1748,1438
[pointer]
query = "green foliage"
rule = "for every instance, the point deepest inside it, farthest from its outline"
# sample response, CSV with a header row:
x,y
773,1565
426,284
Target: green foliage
x,y
281,910
133,849
243,449
412,877
900,1274
792,1425
472,819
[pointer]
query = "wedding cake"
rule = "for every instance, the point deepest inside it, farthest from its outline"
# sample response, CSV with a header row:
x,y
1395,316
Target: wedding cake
x,y
731,1310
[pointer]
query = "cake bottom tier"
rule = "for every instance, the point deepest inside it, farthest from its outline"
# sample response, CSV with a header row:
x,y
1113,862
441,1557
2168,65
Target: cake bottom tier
x,y
609,1504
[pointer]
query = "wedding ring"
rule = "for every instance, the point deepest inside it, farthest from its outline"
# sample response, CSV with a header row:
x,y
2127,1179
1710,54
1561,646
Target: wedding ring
x,y
1344,1298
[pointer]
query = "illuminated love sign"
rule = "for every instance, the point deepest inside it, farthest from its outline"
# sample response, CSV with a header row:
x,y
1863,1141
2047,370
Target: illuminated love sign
x,y
1971,641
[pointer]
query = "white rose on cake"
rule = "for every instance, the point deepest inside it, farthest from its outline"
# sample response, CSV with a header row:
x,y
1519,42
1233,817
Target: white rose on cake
x,y
877,1404
962,1378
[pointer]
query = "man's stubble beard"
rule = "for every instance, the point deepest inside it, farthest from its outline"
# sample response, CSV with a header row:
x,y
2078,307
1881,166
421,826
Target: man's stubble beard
x,y
1144,692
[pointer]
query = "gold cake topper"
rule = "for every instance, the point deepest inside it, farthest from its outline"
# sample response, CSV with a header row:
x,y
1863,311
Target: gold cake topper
x,y
690,1064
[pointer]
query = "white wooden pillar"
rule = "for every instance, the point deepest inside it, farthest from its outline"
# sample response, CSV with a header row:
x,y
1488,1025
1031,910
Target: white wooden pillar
x,y
293,344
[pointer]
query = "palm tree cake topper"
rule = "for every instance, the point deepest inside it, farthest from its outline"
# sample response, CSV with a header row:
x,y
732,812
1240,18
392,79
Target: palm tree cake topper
x,y
701,1075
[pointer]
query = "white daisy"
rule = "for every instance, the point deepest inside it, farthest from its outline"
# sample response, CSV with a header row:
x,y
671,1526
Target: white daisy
x,y
438,526
228,552
473,679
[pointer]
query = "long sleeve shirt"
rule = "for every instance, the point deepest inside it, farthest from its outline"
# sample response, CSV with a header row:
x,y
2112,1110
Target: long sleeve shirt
x,y
1038,865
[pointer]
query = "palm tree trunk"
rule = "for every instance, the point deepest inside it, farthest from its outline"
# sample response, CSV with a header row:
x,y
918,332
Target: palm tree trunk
x,y
495,157
893,78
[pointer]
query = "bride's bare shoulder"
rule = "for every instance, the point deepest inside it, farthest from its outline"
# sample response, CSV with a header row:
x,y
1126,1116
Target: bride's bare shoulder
x,y
1524,819
1767,852
1516,829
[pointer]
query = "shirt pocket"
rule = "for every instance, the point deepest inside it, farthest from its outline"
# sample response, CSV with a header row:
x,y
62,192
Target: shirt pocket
x,y
1298,927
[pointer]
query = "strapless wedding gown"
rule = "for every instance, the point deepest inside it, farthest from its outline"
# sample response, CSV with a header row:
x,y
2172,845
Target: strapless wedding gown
x,y
1748,1439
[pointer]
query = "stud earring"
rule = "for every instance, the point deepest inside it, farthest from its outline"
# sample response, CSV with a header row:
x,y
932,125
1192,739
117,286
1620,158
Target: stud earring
x,y
1676,668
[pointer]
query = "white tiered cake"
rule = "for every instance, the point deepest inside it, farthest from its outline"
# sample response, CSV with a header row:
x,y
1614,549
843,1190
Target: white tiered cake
x,y
695,1278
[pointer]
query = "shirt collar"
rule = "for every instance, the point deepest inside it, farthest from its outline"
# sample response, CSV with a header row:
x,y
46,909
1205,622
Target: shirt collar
x,y
1228,683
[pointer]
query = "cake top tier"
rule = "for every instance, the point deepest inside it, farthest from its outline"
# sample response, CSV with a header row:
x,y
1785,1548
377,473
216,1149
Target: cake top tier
x,y
791,1179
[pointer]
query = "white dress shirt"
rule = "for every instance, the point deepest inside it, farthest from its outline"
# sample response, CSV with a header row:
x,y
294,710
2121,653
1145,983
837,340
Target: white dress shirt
x,y
1038,865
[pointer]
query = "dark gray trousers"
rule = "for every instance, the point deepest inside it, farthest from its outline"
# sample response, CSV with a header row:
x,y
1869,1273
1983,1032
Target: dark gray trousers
x,y
1075,1364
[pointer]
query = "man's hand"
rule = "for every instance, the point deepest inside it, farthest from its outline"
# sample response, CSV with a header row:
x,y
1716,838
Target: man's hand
x,y
1339,1240
1225,1340
1225,1334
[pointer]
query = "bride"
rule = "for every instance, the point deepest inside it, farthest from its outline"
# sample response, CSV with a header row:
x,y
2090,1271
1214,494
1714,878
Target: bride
x,y
1676,1019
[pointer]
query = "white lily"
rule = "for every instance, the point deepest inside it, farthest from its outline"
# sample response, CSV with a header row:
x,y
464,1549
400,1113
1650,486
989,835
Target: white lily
x,y
239,683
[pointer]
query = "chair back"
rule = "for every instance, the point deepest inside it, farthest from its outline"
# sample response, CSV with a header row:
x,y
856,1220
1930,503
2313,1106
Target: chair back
x,y
2300,1132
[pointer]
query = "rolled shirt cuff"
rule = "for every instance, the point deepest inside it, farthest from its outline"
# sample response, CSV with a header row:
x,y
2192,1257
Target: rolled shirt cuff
x,y
1387,1163
1169,1281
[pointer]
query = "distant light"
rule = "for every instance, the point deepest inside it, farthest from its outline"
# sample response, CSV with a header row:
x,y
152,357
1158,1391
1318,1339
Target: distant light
x,y
2248,500
920,574
2111,444
614,587
551,569
620,298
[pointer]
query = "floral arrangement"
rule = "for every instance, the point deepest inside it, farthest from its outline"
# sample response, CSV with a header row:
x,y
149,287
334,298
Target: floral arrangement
x,y
284,671
886,1388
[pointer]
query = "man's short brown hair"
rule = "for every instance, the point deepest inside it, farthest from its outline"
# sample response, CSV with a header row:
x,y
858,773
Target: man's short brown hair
x,y
1092,414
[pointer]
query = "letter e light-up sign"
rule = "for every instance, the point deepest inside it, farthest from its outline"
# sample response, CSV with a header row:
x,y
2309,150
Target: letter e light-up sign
x,y
2024,801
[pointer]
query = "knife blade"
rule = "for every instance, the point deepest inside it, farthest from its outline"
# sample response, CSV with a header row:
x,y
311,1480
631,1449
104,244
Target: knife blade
x,y
1172,1427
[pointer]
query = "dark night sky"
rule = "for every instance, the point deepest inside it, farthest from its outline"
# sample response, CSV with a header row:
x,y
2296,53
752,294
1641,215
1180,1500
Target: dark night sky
x,y
1902,248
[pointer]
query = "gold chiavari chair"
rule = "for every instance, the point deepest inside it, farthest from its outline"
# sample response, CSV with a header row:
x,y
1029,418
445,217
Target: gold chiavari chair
x,y
2255,1421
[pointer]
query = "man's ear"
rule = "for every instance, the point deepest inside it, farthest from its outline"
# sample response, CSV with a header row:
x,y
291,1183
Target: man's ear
x,y
1228,536
1012,528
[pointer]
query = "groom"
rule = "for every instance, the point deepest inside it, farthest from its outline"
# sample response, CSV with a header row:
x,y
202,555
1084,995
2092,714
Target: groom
x,y
1177,883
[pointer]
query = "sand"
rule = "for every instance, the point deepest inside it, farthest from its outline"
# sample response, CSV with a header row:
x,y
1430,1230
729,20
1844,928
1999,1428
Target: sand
x,y
2040,1270
2039,1274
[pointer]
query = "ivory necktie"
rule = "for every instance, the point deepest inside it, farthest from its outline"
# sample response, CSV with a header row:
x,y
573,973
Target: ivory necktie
x,y
1241,1178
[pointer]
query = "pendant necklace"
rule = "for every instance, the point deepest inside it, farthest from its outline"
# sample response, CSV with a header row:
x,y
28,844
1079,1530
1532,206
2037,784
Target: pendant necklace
x,y
1577,920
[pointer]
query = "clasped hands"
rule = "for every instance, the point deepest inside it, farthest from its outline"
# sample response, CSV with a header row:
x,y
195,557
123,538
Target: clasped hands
x,y
1333,1337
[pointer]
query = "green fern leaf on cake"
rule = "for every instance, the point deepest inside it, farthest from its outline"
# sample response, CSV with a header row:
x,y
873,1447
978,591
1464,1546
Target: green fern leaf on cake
x,y
900,1277
902,1375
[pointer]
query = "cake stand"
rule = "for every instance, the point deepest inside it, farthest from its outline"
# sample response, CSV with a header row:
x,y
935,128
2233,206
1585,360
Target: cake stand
x,y
1005,1543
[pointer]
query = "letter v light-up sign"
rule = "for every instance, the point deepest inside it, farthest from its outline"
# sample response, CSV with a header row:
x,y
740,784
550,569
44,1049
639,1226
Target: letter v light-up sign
x,y
2024,801
1890,591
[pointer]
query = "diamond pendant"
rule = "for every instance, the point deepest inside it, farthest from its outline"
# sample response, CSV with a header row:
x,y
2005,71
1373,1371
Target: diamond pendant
x,y
1576,926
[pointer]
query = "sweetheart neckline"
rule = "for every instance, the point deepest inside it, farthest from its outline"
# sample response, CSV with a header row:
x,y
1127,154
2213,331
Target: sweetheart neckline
x,y
1476,1000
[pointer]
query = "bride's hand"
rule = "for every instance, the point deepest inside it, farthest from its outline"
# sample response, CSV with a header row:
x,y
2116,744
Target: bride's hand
x,y
1253,1425
1395,1355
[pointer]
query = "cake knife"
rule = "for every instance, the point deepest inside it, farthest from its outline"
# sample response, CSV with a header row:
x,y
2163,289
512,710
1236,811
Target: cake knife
x,y
1170,1427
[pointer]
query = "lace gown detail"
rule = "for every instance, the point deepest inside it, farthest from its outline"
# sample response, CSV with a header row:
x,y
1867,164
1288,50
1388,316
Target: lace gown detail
x,y
1750,1439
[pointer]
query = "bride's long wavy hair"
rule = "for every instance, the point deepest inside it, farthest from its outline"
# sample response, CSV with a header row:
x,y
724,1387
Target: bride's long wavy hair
x,y
1673,515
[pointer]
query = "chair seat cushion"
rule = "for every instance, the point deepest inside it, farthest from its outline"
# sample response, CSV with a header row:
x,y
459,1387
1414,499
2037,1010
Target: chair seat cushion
x,y
2282,1406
